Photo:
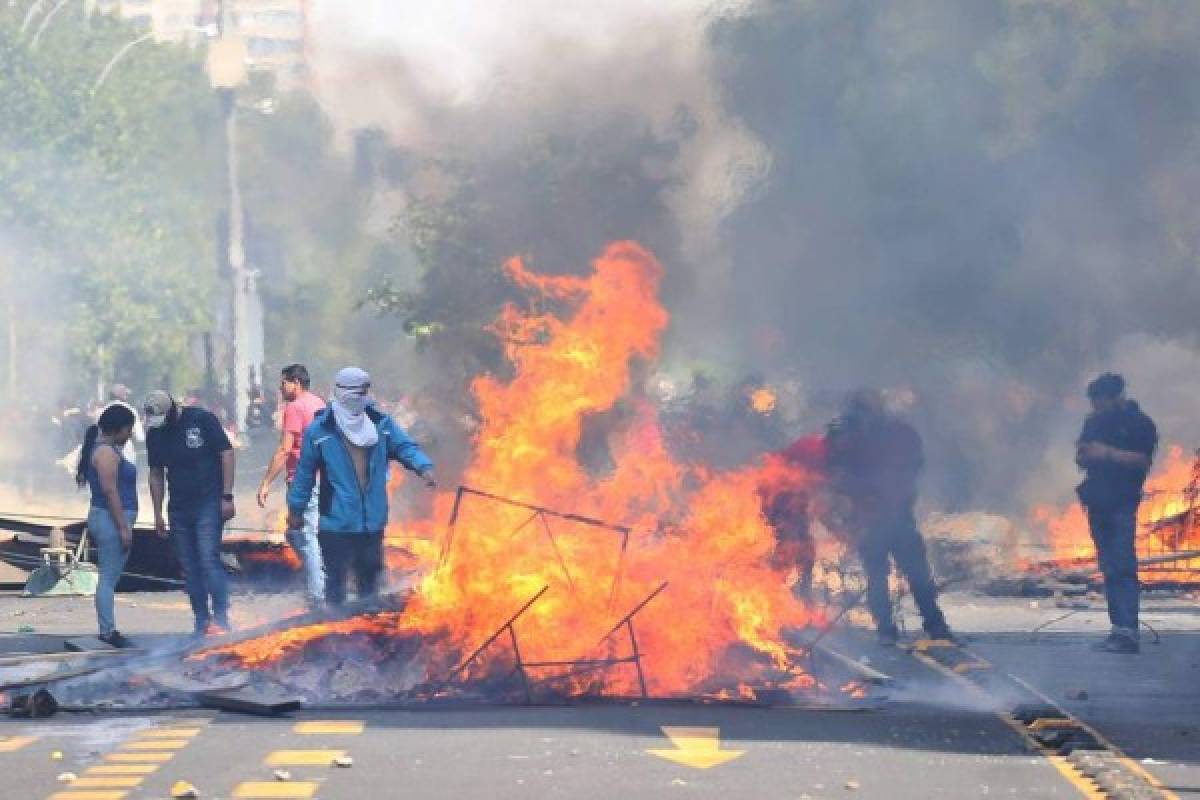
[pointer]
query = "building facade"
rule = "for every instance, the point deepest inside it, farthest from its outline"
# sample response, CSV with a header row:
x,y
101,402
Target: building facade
x,y
275,31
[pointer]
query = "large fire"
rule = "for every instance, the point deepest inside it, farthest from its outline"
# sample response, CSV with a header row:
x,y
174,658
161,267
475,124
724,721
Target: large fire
x,y
574,346
1168,521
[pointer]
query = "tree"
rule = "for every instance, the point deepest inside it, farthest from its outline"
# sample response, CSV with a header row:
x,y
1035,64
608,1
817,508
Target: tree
x,y
108,195
310,235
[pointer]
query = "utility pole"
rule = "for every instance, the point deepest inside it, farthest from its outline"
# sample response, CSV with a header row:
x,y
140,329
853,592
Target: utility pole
x,y
227,71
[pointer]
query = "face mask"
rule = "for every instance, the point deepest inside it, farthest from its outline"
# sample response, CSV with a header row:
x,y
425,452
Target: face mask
x,y
354,402
161,420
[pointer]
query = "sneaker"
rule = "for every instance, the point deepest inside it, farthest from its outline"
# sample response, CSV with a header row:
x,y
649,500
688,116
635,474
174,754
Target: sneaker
x,y
1118,643
115,639
944,635
887,637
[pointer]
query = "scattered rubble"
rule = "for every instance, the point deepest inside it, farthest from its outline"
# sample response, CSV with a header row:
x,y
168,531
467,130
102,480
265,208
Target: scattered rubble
x,y
182,790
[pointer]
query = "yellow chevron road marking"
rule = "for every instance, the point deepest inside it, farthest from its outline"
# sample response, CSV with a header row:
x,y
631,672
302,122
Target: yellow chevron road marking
x,y
696,747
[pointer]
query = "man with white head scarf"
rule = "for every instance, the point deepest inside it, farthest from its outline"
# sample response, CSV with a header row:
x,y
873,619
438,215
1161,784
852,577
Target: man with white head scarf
x,y
351,395
348,448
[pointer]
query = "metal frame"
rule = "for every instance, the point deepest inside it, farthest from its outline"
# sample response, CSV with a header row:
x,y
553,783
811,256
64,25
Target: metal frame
x,y
1173,536
507,626
543,514
522,667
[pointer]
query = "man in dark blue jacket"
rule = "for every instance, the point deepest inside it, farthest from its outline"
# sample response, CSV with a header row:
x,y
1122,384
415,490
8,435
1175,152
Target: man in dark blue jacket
x,y
874,460
1115,449
190,454
348,447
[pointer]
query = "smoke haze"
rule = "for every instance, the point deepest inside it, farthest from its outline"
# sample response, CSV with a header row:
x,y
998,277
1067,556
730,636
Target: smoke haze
x,y
982,203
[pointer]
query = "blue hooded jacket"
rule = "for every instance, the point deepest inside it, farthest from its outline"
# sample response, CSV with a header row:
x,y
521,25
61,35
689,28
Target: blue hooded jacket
x,y
345,506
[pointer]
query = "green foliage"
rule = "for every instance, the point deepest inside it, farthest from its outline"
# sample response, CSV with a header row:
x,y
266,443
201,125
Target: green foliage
x,y
110,196
110,201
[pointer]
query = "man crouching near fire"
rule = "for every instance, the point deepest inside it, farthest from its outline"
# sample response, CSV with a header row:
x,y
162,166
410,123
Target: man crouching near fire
x,y
348,445
1115,449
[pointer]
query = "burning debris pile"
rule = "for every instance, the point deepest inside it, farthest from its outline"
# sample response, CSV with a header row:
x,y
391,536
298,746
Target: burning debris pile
x,y
654,579
1168,538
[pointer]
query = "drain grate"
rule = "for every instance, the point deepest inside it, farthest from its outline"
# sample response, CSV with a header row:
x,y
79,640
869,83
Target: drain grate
x,y
1092,763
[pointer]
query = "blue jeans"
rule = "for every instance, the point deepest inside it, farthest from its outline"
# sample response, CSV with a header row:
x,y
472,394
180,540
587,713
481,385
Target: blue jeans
x,y
111,552
197,536
305,543
1113,532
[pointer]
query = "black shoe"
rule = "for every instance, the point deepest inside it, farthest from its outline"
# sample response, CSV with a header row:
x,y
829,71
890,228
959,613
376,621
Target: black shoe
x,y
887,637
1118,643
115,639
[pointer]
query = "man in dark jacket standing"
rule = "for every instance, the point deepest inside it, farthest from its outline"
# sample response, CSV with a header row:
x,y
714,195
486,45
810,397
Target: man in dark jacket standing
x,y
1115,449
874,460
348,446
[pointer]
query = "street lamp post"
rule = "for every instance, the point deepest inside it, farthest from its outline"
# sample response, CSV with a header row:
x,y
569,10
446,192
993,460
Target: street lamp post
x,y
227,71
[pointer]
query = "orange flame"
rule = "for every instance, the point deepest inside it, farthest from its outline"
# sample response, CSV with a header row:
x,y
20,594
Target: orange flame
x,y
282,555
572,348
856,689
267,650
1167,519
763,400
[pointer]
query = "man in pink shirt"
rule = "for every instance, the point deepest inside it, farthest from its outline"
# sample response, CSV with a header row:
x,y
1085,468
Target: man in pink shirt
x,y
300,407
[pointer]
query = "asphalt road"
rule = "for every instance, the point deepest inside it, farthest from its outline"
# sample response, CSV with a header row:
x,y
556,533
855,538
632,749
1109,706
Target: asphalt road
x,y
933,737
598,752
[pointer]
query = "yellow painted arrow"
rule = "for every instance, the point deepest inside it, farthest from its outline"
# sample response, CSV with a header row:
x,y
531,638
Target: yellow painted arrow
x,y
696,747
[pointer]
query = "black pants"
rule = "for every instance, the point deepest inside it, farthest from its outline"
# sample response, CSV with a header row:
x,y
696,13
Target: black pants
x,y
897,537
343,552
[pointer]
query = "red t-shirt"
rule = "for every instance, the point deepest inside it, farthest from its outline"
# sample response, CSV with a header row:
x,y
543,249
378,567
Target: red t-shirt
x,y
807,451
298,415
